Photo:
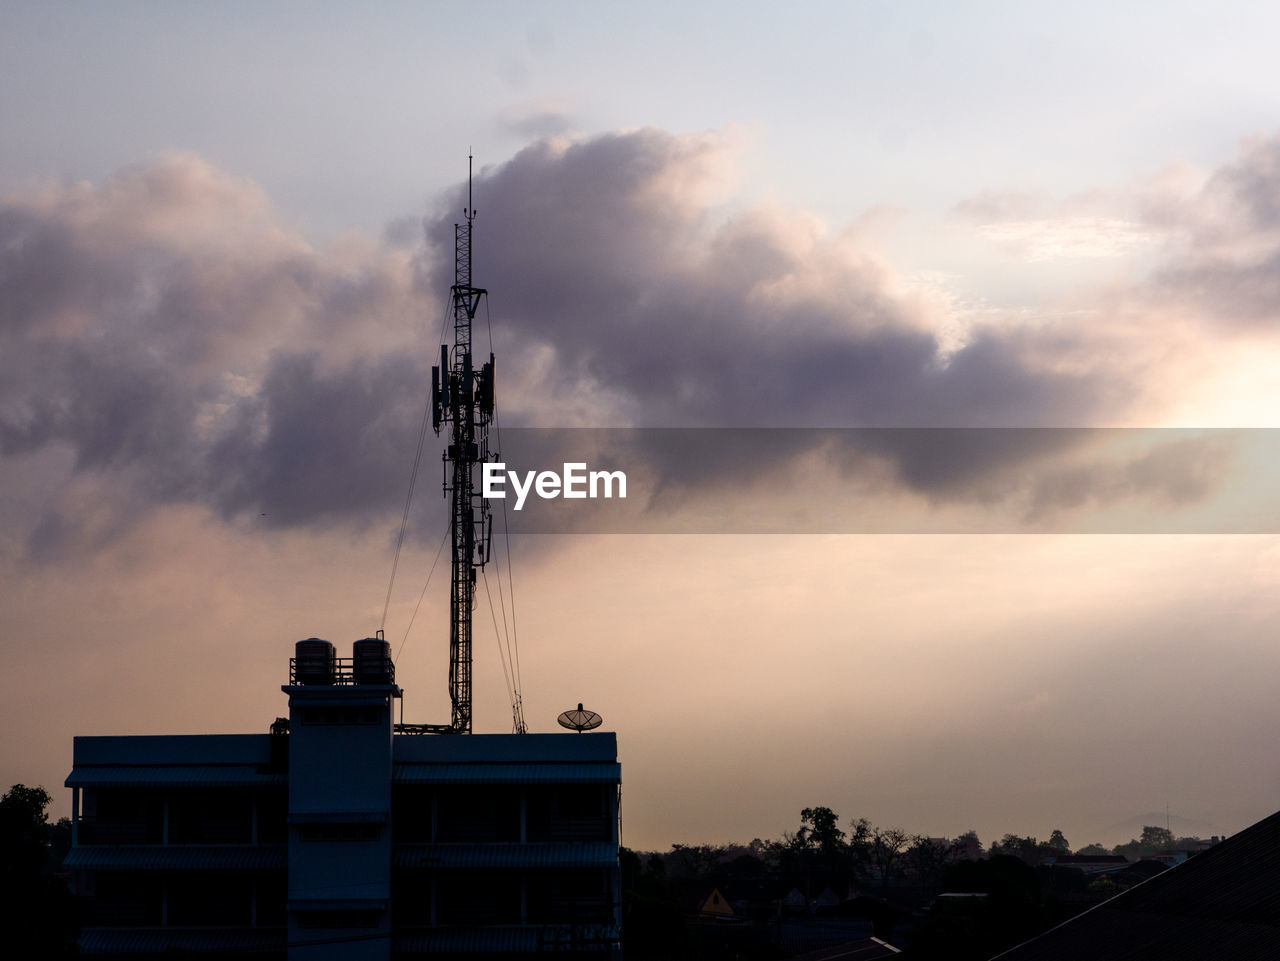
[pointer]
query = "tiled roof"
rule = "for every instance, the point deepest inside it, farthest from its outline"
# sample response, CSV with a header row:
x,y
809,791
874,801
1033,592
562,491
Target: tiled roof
x,y
176,775
537,854
563,747
159,940
178,857
338,817
337,904
245,775
171,749
1224,903
594,772
867,949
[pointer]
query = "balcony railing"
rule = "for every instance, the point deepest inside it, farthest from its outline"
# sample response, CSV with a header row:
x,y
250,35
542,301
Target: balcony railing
x,y
340,671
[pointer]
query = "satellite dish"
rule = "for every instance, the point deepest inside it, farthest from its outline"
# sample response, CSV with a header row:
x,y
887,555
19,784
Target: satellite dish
x,y
580,720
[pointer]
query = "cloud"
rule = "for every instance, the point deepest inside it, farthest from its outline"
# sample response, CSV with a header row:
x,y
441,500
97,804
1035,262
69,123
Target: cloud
x,y
313,445
540,117
1040,240
607,256
168,332
1226,266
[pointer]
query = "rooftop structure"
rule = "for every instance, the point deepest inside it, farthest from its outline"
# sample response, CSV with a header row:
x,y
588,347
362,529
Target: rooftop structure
x,y
334,837
1221,903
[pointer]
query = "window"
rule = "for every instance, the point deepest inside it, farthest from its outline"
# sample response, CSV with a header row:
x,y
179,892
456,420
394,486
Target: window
x,y
198,900
210,817
580,801
342,715
122,816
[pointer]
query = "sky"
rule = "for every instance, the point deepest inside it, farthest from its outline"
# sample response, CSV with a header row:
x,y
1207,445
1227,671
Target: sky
x,y
225,251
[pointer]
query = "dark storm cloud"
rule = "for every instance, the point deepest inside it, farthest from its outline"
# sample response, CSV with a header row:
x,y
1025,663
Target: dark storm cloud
x,y
46,272
108,404
605,253
167,332
164,331
604,256
314,445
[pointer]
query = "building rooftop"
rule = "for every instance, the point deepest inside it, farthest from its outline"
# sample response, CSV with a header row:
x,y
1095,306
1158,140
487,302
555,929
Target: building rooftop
x,y
504,748
1224,903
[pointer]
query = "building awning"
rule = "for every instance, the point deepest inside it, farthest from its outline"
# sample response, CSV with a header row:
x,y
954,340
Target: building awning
x,y
338,817
117,941
176,775
178,857
597,772
505,939
536,854
338,904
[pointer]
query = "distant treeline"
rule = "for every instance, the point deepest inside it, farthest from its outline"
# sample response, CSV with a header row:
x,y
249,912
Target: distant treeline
x,y
738,900
878,855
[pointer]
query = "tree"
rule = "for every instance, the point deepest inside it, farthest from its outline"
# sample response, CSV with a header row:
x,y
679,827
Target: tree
x,y
1094,849
1153,841
37,913
694,860
926,860
967,846
822,842
818,828
879,854
1028,849
978,929
742,866
652,922
24,827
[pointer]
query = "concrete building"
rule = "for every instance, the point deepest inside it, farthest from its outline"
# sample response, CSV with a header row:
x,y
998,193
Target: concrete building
x,y
335,836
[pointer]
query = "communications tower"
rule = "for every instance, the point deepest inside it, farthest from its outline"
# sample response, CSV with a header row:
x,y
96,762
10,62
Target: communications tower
x,y
463,403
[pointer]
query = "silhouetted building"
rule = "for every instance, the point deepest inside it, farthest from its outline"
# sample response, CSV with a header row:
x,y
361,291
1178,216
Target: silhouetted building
x,y
1091,865
1221,903
336,837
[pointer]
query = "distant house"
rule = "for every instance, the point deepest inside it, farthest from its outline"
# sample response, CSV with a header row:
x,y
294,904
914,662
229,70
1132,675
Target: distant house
x,y
827,899
795,900
1138,872
1091,864
1168,858
757,898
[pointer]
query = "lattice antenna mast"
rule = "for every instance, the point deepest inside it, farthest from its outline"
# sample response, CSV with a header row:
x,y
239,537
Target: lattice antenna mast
x,y
463,400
